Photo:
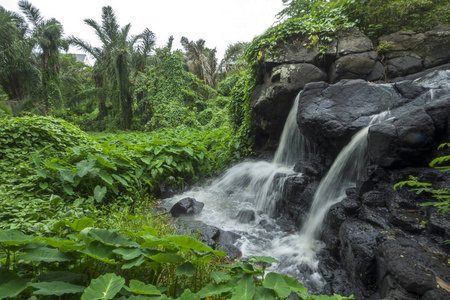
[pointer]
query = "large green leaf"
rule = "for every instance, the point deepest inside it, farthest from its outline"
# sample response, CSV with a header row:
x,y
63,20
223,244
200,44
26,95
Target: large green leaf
x,y
245,288
128,253
135,262
188,295
7,275
151,241
13,288
141,288
101,252
103,287
84,167
106,177
112,238
99,193
14,237
212,289
188,243
187,269
121,180
264,294
264,259
46,255
219,276
56,288
276,282
81,224
296,286
150,230
56,242
167,258
103,160
66,175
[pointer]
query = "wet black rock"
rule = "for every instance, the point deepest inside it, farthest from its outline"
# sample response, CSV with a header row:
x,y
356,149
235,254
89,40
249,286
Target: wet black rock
x,y
335,276
164,191
351,204
374,199
226,242
187,206
410,222
407,264
358,246
375,216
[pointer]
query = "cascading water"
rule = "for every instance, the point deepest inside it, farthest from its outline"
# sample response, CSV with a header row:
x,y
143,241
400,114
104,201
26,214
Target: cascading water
x,y
293,145
258,185
345,171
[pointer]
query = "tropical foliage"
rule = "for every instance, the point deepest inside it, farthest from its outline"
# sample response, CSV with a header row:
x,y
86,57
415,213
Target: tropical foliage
x,y
442,195
61,188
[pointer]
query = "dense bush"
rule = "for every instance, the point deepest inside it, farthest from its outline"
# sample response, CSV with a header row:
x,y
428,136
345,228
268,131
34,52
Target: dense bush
x,y
48,167
378,17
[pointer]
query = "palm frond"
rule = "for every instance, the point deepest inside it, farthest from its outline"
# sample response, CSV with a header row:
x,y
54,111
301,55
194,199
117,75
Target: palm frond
x,y
32,13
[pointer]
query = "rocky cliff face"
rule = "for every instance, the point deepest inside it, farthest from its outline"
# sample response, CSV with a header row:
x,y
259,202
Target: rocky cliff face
x,y
285,71
380,243
386,243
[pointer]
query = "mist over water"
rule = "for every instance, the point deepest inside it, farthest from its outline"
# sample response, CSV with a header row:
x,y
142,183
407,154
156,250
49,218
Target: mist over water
x,y
259,185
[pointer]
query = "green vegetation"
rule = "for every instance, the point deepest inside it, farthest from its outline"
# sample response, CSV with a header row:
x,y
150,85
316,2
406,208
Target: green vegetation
x,y
442,195
62,190
48,165
99,263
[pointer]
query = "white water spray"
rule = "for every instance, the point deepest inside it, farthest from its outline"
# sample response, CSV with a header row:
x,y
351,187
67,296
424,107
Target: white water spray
x,y
293,145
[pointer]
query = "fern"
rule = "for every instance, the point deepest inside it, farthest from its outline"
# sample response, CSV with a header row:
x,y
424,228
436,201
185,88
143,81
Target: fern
x,y
412,182
442,195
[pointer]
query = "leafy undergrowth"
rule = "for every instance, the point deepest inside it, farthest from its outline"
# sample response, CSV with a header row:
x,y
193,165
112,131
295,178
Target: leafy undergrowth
x,y
95,263
61,191
49,169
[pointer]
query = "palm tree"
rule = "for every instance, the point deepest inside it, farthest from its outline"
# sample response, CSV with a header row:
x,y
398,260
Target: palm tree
x,y
48,36
233,58
20,77
201,60
113,65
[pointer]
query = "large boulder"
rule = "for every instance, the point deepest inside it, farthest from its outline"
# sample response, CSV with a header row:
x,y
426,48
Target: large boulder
x,y
330,115
410,52
187,206
402,141
284,70
353,66
404,262
417,112
357,251
272,100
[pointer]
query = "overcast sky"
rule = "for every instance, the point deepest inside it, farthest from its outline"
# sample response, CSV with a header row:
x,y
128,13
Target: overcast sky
x,y
219,22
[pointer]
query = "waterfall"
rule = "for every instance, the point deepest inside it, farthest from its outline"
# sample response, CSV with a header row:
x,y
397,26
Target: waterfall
x,y
293,145
346,169
255,185
258,186
349,165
